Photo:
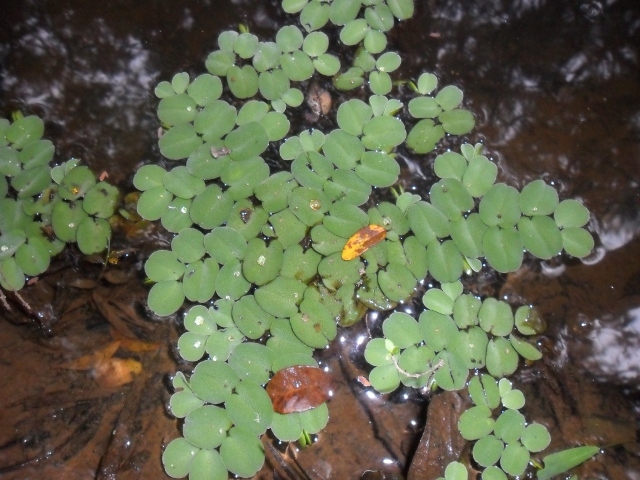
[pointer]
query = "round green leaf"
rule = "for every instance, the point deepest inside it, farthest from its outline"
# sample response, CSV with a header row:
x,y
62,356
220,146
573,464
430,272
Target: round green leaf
x,y
250,407
503,249
289,38
500,206
379,17
388,62
347,185
449,97
467,234
427,222
450,197
502,359
182,184
538,198
427,107
577,241
514,459
353,115
308,204
402,330
273,84
396,282
344,11
214,382
496,317
378,169
535,437
424,136
457,121
540,236
247,141
11,275
177,457
36,154
215,120
183,402
327,64
438,331
487,450
24,131
245,45
208,465
200,279
205,89
444,260
242,81
354,31
476,423
179,141
343,149
281,297
352,78
242,452
510,426
401,9
314,15
93,235
453,372
230,283
101,200
210,208
479,176
191,346
383,133
225,244
385,378
177,109
483,390
266,56
571,213
33,257
166,297
78,181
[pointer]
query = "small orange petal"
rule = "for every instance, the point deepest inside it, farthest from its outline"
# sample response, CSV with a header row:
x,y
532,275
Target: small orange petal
x,y
363,240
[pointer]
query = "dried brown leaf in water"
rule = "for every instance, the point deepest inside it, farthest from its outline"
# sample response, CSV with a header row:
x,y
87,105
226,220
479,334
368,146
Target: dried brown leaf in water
x,y
299,388
116,372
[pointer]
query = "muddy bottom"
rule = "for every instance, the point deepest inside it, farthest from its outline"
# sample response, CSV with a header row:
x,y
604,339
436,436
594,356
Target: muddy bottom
x,y
555,87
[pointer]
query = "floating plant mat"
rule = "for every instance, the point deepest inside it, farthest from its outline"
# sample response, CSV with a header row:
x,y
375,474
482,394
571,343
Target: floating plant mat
x,y
254,289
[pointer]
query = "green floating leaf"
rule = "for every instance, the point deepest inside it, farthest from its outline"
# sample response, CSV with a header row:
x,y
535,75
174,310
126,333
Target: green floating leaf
x,y
452,373
396,282
476,423
438,330
314,15
215,120
479,176
343,149
274,191
247,141
273,84
36,154
205,89
210,208
514,459
385,378
449,196
242,81
424,136
176,216
245,45
309,204
166,297
200,280
379,17
177,457
535,437
101,200
76,183
502,359
352,78
528,321
327,64
230,283
525,349
577,241
449,97
199,320
487,450
250,407
503,249
538,198
179,82
191,346
344,11
32,182
444,260
281,297
427,107
510,426
383,133
514,399
242,452
388,62
354,31
353,115
11,275
496,317
208,465
179,142
483,390
183,402
177,109
457,121
93,235
402,330
540,236
262,263
500,206
401,9
24,131
314,324
243,176
214,382
182,184
33,257
347,185
378,169
571,213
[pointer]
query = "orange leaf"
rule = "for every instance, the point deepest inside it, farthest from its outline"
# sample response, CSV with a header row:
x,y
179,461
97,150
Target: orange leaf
x,y
116,372
299,388
363,240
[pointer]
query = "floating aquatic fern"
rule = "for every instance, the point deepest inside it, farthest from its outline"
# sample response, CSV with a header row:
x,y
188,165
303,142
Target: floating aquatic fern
x,y
294,253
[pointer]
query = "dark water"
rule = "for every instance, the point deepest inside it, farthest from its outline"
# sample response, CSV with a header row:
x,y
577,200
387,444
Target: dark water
x,y
555,87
